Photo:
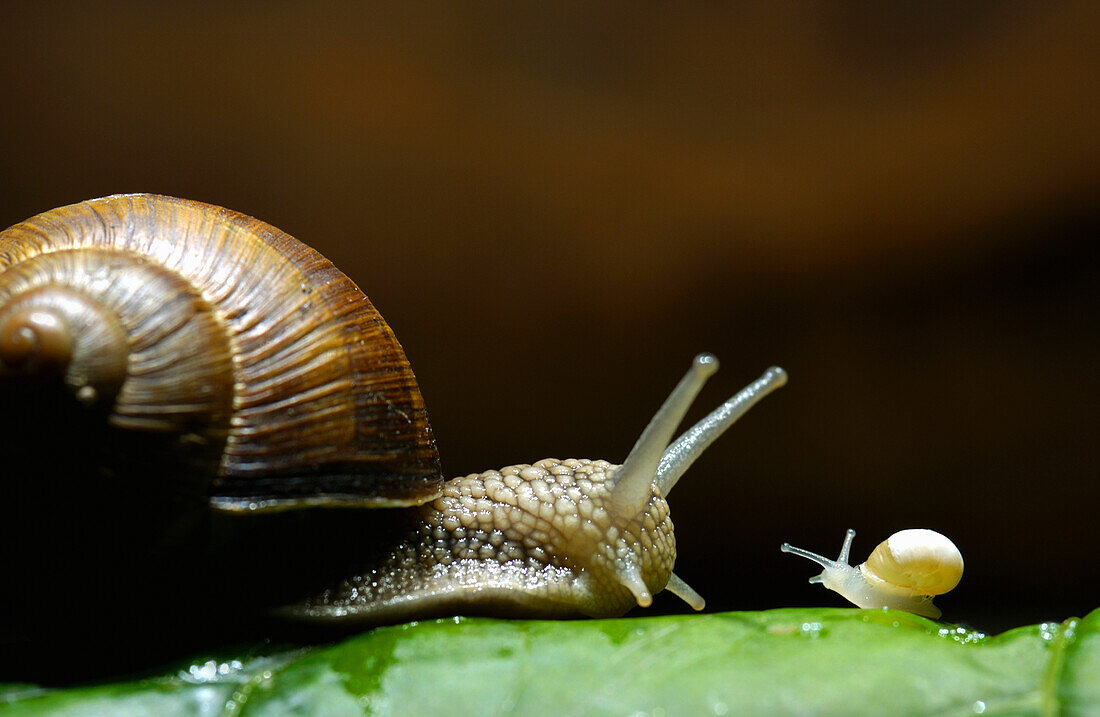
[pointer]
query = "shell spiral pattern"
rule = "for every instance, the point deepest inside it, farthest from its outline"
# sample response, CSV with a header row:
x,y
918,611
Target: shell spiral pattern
x,y
249,348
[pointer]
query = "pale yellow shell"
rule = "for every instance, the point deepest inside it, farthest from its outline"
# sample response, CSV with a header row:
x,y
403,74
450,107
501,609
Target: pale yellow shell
x,y
915,561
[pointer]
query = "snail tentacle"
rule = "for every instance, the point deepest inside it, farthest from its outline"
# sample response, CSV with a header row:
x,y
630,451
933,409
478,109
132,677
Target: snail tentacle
x,y
679,456
682,590
634,480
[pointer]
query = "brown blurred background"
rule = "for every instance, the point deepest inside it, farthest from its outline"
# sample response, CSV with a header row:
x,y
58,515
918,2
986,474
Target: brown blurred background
x,y
556,206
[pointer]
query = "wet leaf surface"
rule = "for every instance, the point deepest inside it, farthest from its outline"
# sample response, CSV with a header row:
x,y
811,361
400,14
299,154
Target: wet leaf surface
x,y
787,661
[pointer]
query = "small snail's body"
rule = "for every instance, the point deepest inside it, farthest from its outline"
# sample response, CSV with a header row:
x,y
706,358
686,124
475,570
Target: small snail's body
x,y
904,572
208,364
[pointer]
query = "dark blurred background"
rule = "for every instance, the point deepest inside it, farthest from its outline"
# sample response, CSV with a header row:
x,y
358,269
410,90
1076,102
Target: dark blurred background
x,y
556,206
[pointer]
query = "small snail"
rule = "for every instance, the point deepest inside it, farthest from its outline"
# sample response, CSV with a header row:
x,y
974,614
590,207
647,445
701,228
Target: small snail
x,y
207,364
904,572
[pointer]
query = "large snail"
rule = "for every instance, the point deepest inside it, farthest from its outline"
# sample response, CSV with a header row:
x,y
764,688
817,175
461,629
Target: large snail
x,y
205,363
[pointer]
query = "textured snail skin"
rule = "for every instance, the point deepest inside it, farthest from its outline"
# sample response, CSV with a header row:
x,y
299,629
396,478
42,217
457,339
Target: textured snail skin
x,y
538,540
555,539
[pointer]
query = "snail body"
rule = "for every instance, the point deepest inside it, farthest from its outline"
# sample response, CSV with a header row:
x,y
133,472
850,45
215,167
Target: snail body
x,y
212,368
904,572
553,539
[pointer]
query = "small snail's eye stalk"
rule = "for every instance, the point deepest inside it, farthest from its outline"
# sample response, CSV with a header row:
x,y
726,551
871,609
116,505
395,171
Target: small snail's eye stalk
x,y
846,548
821,560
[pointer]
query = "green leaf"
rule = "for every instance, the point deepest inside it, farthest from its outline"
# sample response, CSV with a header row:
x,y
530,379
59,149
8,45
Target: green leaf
x,y
824,661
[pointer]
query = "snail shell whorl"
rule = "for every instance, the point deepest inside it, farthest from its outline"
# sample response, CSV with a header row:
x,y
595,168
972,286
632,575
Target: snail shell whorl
x,y
915,561
36,335
232,334
124,332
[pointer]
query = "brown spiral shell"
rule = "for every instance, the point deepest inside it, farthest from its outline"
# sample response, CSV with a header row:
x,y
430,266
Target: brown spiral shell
x,y
260,363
